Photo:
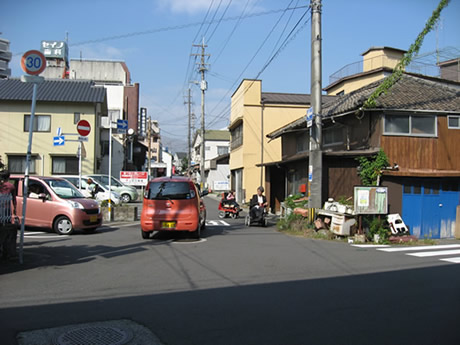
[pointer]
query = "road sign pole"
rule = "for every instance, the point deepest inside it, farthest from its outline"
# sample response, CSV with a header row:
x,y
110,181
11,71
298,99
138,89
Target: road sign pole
x,y
110,166
79,165
26,173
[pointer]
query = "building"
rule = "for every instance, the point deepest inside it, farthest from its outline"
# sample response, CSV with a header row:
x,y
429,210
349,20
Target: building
x,y
60,104
254,114
5,58
417,124
216,144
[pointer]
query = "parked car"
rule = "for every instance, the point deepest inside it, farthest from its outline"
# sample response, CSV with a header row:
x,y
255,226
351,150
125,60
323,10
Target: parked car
x,y
172,204
128,193
55,203
101,195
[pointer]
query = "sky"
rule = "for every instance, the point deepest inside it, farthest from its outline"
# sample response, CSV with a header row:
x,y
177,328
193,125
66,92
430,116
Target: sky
x,y
246,39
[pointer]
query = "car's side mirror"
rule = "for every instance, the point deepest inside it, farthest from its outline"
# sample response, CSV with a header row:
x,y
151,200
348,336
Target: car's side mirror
x,y
42,196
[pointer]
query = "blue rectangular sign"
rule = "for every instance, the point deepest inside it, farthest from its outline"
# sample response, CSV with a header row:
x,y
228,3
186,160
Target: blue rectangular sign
x,y
122,126
59,140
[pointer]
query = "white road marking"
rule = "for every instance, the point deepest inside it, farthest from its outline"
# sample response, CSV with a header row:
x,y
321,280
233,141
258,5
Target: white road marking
x,y
39,237
370,245
216,223
417,248
436,253
453,260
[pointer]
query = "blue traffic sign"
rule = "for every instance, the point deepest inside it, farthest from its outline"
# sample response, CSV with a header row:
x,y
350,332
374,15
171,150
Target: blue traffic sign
x,y
122,124
59,140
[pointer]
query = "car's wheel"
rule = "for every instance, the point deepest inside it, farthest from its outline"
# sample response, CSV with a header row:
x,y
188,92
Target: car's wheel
x,y
234,215
247,220
221,214
197,232
63,226
125,198
145,234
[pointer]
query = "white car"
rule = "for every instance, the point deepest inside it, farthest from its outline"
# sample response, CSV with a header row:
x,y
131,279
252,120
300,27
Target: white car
x,y
102,195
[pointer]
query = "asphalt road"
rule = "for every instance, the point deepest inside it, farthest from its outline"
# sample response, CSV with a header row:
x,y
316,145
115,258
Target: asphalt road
x,y
237,286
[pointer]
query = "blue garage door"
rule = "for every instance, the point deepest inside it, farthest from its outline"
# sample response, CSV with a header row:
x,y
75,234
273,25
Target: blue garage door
x,y
429,207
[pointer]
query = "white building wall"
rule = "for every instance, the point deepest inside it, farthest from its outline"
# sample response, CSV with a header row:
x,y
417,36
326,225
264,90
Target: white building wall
x,y
217,177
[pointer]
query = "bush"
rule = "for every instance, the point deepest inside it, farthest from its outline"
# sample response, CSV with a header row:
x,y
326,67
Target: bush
x,y
378,226
289,201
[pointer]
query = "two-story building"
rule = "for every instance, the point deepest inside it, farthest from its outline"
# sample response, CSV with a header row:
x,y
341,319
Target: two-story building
x,y
254,114
60,104
416,123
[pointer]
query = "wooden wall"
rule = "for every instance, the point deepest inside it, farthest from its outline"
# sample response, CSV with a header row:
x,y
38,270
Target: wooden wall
x,y
441,153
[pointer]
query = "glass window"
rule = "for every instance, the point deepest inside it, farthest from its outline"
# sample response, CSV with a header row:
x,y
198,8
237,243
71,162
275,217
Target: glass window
x,y
407,189
76,118
65,165
333,136
64,189
397,124
222,150
416,125
423,125
301,142
170,191
237,137
17,164
417,188
453,122
42,123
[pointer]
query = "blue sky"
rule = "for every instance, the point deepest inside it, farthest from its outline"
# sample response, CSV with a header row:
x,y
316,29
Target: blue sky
x,y
157,36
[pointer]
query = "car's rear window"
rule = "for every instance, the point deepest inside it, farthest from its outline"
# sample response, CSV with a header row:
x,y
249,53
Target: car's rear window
x,y
170,190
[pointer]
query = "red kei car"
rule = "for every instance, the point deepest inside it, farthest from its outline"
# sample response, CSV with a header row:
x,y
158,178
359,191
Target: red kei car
x,y
173,204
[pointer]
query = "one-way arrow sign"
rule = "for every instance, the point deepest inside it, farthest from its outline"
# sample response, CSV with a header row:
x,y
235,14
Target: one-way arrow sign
x,y
122,126
59,140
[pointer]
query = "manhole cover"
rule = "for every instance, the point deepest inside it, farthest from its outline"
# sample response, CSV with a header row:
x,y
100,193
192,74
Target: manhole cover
x,y
94,335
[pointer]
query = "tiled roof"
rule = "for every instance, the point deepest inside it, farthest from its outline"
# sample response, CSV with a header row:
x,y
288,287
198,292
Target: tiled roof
x,y
291,98
411,92
52,91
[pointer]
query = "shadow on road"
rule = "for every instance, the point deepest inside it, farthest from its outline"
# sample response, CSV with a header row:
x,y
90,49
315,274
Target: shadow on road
x,y
416,306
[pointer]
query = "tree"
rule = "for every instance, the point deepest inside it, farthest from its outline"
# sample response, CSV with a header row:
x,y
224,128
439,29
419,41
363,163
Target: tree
x,y
370,168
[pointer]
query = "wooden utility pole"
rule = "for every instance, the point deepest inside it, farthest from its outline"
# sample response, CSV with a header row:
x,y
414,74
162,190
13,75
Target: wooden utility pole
x,y
316,156
149,138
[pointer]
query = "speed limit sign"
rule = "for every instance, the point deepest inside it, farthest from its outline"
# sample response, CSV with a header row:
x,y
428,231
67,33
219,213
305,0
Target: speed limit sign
x,y
33,62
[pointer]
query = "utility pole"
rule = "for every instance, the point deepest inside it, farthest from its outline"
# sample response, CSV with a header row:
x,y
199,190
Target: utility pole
x,y
149,138
203,86
189,103
315,164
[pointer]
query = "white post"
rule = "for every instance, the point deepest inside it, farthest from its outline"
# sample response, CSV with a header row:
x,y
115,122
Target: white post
x,y
79,165
26,173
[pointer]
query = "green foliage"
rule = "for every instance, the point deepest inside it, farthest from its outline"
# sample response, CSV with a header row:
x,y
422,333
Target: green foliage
x,y
370,168
289,201
378,226
344,200
184,163
406,60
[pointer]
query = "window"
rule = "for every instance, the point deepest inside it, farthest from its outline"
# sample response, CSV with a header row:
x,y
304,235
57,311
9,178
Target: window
x,y
333,136
17,164
237,137
453,122
76,118
301,142
222,150
65,165
411,125
42,123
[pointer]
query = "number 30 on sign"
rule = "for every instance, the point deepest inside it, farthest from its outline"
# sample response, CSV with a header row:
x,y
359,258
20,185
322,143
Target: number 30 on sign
x,y
33,62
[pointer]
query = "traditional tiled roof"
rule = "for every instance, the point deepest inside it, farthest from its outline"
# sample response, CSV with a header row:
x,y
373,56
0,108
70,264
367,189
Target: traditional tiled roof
x,y
52,91
410,92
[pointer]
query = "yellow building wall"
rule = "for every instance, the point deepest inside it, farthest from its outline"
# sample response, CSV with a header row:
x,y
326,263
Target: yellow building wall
x,y
350,85
246,107
14,140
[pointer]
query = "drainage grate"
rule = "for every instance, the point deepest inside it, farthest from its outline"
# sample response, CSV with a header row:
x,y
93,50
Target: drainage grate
x,y
94,335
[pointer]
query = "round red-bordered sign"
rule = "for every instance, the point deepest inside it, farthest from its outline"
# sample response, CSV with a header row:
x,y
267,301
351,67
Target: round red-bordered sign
x,y
33,62
83,128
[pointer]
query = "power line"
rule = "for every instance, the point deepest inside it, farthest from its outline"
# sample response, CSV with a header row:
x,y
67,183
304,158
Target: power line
x,y
220,20
286,41
252,58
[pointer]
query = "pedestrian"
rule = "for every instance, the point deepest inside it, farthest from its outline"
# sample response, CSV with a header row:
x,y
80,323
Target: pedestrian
x,y
91,187
8,217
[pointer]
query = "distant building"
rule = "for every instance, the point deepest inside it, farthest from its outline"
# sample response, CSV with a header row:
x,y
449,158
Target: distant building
x,y
5,58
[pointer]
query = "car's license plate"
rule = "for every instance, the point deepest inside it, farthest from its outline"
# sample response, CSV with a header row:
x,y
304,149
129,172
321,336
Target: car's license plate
x,y
93,219
168,225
